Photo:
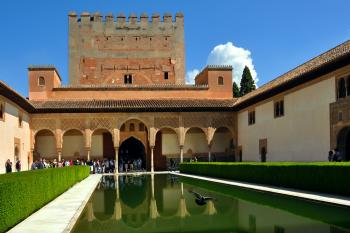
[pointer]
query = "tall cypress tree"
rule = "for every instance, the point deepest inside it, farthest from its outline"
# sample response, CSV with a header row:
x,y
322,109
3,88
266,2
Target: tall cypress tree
x,y
247,82
235,90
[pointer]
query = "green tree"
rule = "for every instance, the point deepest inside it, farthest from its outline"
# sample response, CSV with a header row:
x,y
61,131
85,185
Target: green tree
x,y
247,82
235,90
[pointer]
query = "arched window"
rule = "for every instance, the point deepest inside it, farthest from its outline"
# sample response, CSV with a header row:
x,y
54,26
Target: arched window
x,y
132,127
122,129
141,127
41,81
341,88
220,80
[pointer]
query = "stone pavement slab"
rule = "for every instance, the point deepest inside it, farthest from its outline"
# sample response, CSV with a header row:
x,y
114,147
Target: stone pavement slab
x,y
313,196
60,214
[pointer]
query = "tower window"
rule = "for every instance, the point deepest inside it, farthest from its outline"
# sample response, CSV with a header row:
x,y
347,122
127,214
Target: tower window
x,y
2,111
251,118
279,108
127,79
220,80
166,75
41,81
20,119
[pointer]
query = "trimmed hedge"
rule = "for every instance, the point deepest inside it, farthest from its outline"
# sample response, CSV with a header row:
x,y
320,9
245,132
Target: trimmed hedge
x,y
22,193
321,177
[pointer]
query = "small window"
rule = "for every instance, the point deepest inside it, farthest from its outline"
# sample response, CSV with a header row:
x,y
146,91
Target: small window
x,y
122,129
127,79
341,88
220,80
166,75
41,81
279,108
20,119
141,127
132,127
2,111
251,118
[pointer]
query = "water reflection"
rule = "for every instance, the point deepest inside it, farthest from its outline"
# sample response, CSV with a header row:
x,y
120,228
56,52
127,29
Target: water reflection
x,y
161,203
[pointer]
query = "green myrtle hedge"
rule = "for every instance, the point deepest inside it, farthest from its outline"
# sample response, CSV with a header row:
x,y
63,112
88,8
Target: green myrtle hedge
x,y
322,177
22,193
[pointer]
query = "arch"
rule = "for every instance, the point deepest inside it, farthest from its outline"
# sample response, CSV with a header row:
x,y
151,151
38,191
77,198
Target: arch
x,y
131,119
131,150
167,148
222,144
102,146
73,146
72,129
44,144
132,136
343,143
196,144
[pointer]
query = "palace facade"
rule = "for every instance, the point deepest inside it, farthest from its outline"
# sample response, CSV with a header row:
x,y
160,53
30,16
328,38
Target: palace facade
x,y
127,99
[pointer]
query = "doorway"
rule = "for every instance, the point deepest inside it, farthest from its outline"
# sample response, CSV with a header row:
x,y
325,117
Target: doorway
x,y
131,150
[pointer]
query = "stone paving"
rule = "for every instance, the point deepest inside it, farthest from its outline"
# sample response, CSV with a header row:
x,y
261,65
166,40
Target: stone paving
x,y
61,214
313,196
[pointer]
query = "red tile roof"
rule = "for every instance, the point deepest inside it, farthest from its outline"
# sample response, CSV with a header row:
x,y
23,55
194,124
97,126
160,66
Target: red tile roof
x,y
154,105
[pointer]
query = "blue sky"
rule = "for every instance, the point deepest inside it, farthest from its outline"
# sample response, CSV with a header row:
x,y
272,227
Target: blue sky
x,y
279,35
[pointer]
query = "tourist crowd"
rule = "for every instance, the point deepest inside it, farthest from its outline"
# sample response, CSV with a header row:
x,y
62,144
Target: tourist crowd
x,y
96,166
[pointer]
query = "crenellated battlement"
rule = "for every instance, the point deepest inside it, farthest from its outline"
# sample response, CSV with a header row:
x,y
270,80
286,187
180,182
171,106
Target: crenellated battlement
x,y
122,21
105,48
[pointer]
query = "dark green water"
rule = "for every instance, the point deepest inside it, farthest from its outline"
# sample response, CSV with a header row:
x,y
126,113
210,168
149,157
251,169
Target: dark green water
x,y
163,203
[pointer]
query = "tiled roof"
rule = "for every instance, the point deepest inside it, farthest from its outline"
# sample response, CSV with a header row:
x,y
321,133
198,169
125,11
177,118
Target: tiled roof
x,y
154,105
132,87
11,94
331,56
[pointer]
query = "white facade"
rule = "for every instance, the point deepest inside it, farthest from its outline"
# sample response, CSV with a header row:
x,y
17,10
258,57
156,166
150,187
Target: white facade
x,y
302,134
13,135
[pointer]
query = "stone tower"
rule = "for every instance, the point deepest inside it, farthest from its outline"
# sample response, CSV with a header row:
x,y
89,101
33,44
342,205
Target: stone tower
x,y
135,51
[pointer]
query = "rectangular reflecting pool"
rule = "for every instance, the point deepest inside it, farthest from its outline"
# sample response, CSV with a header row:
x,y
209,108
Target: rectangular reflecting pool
x,y
169,203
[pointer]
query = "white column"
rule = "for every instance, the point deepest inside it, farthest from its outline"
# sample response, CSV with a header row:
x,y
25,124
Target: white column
x,y
88,155
116,163
59,155
152,162
181,154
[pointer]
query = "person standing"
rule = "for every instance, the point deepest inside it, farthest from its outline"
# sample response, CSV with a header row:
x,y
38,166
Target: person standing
x,y
18,165
8,166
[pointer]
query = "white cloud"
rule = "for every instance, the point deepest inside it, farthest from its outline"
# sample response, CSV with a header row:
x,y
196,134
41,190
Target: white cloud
x,y
229,54
190,75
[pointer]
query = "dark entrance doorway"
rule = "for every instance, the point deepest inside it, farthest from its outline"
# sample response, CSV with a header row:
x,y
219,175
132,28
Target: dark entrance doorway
x,y
132,150
344,143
